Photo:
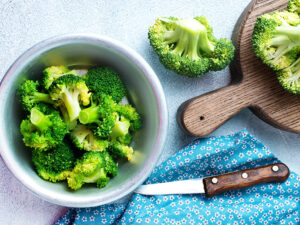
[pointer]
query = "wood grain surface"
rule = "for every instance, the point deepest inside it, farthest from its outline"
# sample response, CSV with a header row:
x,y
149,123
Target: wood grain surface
x,y
254,85
246,178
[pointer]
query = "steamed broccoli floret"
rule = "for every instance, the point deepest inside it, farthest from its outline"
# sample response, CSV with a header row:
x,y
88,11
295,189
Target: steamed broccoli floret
x,y
120,129
289,77
131,114
294,6
118,150
126,139
188,47
84,139
106,116
44,128
93,167
100,116
70,90
104,80
55,164
54,72
30,96
276,39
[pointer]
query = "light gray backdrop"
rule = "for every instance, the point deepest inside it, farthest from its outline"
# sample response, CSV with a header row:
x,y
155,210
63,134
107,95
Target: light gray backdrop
x,y
23,23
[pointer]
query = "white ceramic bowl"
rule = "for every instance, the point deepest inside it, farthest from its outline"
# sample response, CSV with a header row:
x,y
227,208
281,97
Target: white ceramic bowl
x,y
145,93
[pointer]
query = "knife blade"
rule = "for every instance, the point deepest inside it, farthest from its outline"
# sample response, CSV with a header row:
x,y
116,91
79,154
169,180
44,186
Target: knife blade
x,y
214,185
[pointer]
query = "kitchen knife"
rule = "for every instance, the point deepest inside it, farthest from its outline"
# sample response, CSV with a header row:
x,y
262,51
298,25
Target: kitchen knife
x,y
211,186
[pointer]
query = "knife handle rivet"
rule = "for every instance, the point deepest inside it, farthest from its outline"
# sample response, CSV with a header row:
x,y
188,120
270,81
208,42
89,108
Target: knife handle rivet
x,y
244,175
214,180
275,168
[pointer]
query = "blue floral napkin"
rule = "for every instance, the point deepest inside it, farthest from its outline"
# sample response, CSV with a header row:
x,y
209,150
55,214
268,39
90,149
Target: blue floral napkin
x,y
271,203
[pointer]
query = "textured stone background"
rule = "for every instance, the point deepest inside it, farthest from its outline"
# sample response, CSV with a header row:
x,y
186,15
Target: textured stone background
x,y
23,23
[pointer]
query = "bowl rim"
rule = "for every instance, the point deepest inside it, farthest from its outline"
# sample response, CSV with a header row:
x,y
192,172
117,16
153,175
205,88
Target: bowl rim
x,y
152,79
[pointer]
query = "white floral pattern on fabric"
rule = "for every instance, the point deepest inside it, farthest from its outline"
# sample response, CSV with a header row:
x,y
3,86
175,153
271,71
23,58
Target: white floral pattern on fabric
x,y
271,203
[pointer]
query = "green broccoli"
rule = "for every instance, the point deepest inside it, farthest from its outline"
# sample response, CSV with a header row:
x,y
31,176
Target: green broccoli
x,y
100,116
131,114
104,80
30,96
54,72
125,139
71,124
276,39
70,90
289,77
55,164
294,6
93,167
44,129
118,150
107,118
84,139
188,47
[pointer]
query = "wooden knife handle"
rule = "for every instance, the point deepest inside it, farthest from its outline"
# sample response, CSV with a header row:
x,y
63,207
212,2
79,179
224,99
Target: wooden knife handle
x,y
203,114
277,172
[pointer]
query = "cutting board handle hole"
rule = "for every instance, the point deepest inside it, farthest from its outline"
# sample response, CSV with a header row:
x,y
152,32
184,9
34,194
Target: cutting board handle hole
x,y
201,117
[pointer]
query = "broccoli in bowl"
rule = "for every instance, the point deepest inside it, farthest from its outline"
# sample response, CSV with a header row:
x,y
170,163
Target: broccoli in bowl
x,y
76,127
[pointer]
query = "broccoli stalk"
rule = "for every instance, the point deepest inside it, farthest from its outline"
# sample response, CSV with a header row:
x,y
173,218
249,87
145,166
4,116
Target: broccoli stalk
x,y
90,115
71,124
70,99
190,38
286,37
40,120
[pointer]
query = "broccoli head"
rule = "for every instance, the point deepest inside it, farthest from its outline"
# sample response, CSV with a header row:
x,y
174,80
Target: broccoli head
x,y
125,139
55,164
118,150
83,138
188,47
104,80
44,129
131,114
53,72
30,96
100,116
92,167
294,6
106,118
276,39
70,90
289,78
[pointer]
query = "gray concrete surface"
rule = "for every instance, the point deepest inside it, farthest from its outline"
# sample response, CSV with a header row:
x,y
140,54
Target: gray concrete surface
x,y
23,23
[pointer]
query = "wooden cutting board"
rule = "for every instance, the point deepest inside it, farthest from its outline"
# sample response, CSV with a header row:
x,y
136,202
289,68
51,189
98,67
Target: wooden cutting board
x,y
253,86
